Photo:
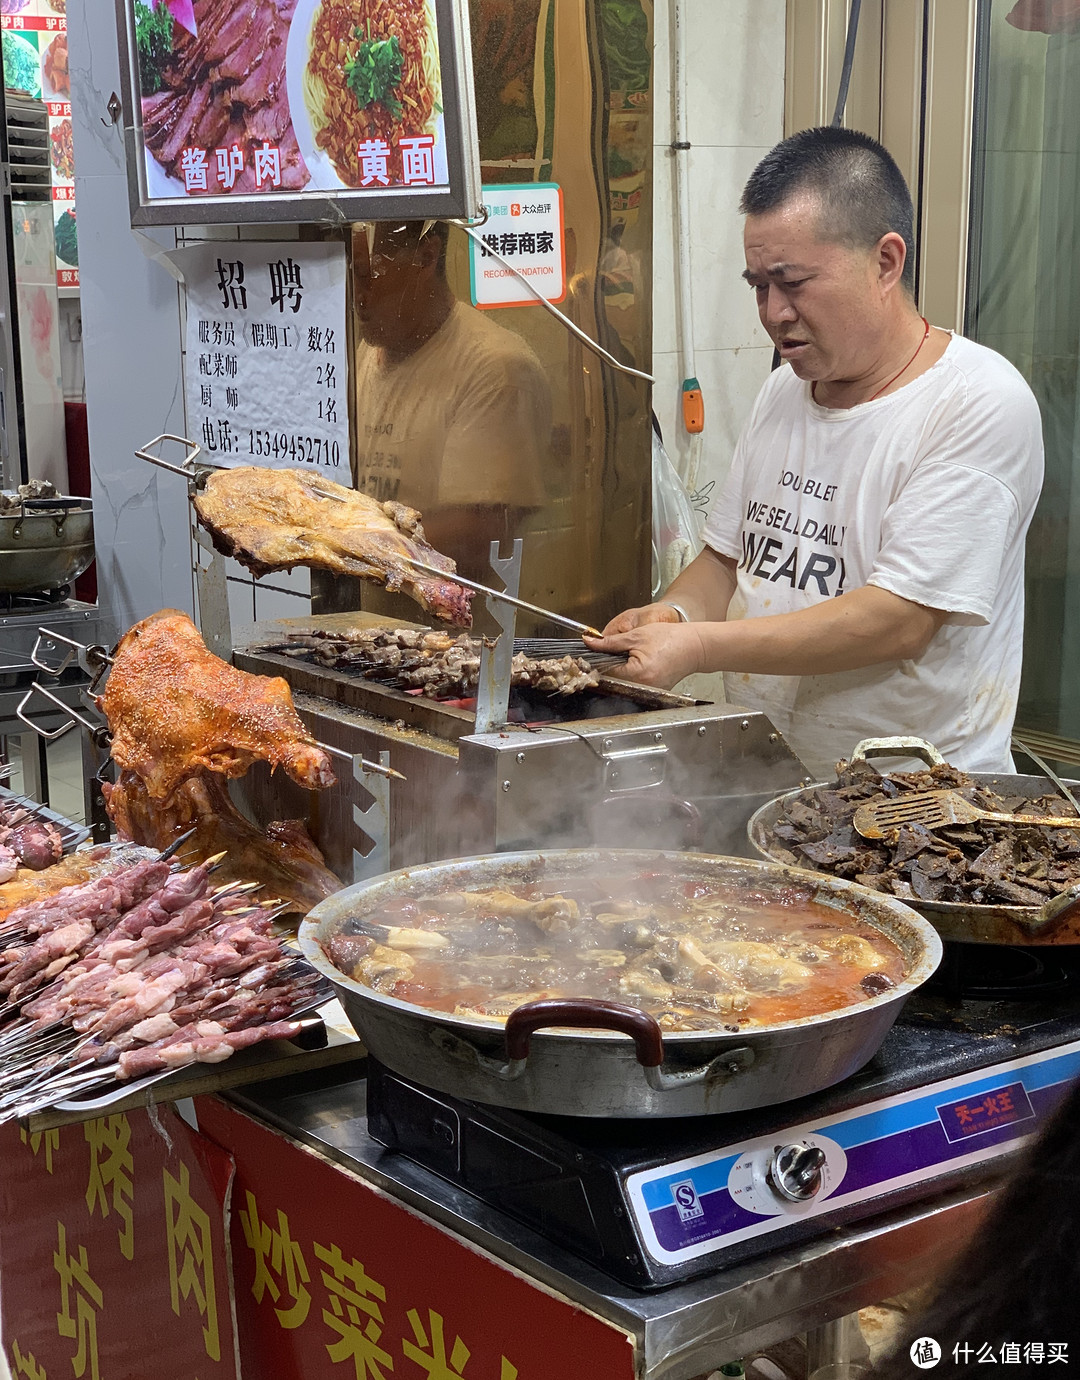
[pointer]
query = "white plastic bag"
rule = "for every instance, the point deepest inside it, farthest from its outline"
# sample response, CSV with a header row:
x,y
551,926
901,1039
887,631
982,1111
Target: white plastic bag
x,y
676,538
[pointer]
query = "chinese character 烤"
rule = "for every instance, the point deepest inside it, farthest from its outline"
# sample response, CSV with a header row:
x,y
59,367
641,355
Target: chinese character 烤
x,y
267,165
193,166
277,1255
74,1272
354,1314
285,284
230,163
418,160
36,1139
373,155
191,1256
231,284
111,1164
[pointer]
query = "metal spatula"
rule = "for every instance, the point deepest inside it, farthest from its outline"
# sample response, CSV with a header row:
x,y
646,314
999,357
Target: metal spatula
x,y
936,810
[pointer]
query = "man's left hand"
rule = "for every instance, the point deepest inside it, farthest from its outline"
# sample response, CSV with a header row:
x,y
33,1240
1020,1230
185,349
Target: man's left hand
x,y
661,654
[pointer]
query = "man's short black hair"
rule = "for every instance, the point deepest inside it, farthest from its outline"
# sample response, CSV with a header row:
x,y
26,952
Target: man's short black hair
x,y
862,192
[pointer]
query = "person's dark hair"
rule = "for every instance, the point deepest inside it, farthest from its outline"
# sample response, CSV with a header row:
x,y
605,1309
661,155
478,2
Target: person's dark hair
x,y
862,192
1019,1278
407,234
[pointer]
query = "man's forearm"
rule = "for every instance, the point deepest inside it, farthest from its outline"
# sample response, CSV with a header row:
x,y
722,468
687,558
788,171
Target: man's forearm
x,y
864,627
704,589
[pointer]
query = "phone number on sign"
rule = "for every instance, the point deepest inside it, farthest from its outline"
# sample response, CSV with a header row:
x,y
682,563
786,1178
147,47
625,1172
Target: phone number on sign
x,y
306,450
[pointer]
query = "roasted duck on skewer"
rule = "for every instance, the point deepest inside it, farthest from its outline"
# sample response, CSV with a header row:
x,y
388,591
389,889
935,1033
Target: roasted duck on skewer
x,y
277,519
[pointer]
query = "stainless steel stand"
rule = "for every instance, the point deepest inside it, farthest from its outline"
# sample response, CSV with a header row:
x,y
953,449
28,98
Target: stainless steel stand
x,y
373,821
493,690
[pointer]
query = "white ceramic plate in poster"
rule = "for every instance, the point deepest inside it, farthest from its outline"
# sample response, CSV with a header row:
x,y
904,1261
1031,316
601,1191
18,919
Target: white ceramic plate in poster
x,y
324,175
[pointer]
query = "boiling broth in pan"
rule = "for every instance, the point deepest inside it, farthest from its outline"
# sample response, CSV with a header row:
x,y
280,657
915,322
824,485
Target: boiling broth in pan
x,y
697,955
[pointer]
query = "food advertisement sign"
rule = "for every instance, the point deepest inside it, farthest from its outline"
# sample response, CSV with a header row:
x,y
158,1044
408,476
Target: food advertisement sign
x,y
298,110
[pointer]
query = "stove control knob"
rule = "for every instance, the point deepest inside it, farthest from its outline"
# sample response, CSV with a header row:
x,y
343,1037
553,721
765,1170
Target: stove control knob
x,y
795,1172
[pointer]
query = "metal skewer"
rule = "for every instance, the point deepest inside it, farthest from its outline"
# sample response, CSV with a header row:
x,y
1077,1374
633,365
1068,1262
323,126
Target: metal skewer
x,y
365,765
500,594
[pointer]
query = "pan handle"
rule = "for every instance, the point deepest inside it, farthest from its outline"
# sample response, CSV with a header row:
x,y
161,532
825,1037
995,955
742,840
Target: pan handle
x,y
898,747
590,1013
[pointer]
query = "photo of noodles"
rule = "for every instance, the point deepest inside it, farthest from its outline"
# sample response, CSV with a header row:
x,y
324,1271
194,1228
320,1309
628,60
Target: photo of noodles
x,y
372,72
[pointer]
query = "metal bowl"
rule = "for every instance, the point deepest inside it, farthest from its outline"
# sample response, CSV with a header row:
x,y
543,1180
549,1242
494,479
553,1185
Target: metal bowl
x,y
620,1069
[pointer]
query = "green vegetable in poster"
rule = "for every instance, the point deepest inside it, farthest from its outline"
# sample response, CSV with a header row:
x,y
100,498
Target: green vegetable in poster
x,y
67,240
22,65
154,40
377,66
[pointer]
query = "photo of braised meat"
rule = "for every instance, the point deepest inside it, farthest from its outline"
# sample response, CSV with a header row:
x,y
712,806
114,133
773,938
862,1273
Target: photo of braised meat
x,y
223,88
174,709
54,67
276,519
440,666
984,863
697,956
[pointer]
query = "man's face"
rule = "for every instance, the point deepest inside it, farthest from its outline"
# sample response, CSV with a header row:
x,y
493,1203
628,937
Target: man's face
x,y
821,302
391,283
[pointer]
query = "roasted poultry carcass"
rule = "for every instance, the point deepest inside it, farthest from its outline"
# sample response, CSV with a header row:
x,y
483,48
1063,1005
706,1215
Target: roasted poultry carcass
x,y
276,519
174,709
183,721
283,856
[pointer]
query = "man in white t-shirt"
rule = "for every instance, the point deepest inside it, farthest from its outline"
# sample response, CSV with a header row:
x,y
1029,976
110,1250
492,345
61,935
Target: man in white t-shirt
x,y
863,568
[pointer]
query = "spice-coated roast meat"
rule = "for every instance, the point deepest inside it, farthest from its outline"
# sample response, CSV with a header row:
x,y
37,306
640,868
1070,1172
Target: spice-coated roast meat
x,y
277,519
984,863
441,666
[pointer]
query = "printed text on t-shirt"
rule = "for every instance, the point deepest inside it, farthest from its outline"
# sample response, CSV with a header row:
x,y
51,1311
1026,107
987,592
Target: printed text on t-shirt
x,y
813,488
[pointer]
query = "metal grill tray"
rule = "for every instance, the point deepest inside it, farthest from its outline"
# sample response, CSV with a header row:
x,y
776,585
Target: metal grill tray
x,y
71,834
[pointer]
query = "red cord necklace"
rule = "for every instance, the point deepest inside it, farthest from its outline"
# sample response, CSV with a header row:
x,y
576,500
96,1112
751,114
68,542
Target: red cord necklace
x,y
907,366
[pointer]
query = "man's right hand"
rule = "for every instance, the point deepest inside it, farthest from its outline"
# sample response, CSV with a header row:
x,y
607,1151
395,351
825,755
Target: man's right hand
x,y
630,619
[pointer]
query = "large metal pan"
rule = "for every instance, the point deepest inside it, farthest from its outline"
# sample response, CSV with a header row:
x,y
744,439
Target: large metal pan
x,y
596,1070
1057,922
45,544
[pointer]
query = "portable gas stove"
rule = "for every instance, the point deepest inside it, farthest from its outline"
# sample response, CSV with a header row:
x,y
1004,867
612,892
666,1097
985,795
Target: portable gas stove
x,y
975,1064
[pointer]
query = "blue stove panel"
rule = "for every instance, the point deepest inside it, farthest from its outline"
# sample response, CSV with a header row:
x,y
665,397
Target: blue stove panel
x,y
737,1192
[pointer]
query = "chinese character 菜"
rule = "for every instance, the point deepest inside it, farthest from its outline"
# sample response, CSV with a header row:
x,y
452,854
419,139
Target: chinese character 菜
x,y
373,155
74,1272
191,1254
418,160
193,166
277,1254
111,1163
230,163
354,1314
285,284
267,165
231,284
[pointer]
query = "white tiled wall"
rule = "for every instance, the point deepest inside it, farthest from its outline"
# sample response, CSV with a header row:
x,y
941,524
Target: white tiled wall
x,y
735,112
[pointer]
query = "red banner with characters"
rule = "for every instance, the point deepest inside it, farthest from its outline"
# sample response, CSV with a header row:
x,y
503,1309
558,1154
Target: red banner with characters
x,y
129,1244
113,1251
337,1281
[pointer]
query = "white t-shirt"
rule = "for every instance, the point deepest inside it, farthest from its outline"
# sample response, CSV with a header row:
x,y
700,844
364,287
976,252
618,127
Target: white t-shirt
x,y
927,492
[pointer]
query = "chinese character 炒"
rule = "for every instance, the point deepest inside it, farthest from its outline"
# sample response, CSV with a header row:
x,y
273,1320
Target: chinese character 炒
x,y
277,1254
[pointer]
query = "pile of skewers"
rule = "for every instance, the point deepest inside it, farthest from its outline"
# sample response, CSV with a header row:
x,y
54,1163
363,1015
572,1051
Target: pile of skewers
x,y
136,973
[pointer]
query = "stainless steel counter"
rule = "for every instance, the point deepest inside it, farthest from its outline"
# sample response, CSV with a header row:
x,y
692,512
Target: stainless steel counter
x,y
681,1332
